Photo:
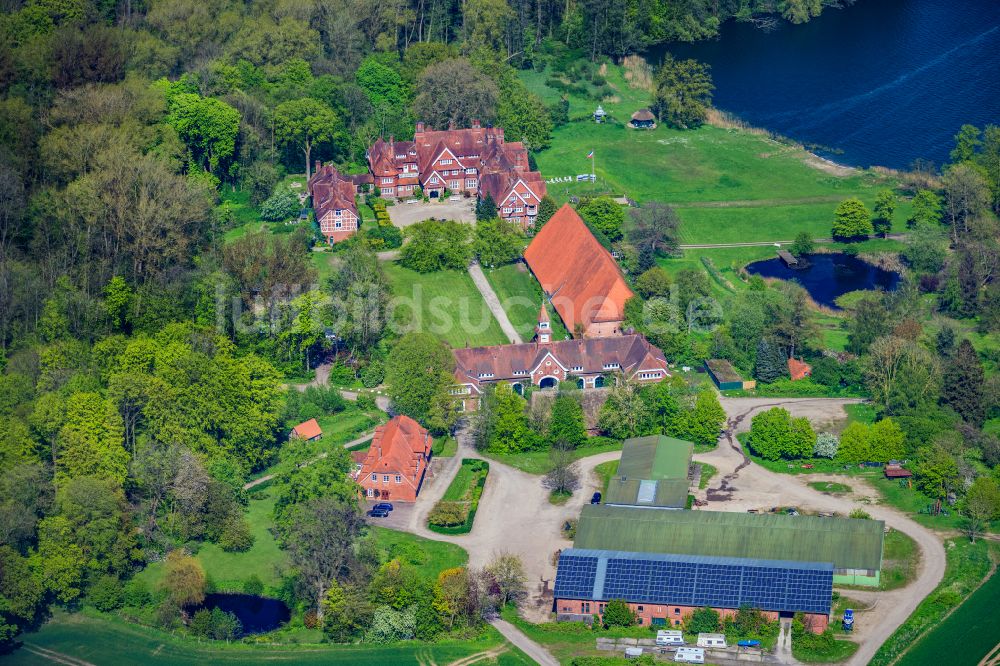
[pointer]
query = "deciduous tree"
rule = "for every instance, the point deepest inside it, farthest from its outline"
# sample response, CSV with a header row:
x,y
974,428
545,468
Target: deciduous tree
x,y
852,219
682,92
885,206
417,367
184,579
453,91
980,505
304,124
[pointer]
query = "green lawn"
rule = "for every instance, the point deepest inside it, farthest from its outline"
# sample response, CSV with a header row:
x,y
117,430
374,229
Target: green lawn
x,y
429,557
605,472
707,472
445,303
111,642
900,557
537,462
973,626
521,297
831,487
444,447
229,570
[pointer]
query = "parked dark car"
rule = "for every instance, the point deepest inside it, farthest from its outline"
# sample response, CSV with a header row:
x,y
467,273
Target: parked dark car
x,y
596,499
383,505
378,513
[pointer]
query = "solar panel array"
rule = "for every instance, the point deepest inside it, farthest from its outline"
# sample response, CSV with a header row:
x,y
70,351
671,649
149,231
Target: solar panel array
x,y
694,580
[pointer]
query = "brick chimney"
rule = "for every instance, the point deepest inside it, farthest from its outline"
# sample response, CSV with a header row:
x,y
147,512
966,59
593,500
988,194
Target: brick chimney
x,y
451,124
475,123
420,126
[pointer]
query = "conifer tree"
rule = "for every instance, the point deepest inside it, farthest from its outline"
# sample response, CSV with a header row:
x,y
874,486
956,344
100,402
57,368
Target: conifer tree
x,y
771,364
963,384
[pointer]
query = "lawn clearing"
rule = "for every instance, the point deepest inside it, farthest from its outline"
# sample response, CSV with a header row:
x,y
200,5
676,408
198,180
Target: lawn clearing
x,y
444,303
707,472
101,639
444,447
427,556
228,571
830,487
521,297
605,472
900,559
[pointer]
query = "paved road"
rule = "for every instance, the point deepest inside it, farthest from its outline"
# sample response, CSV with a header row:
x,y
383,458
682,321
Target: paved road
x,y
526,645
490,296
742,485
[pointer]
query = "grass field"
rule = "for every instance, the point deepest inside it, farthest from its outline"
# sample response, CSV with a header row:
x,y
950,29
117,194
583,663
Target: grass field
x,y
228,570
965,636
444,447
445,303
521,297
605,472
90,639
968,564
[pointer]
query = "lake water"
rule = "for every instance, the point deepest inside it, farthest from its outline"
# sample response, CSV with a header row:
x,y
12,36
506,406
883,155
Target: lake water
x,y
882,82
829,276
257,614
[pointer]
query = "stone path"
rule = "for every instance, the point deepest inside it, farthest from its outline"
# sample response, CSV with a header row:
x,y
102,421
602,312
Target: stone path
x,y
490,296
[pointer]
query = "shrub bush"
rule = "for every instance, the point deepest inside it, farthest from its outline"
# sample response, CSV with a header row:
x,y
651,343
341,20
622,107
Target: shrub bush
x,y
236,535
449,514
280,206
253,585
136,594
107,594
373,374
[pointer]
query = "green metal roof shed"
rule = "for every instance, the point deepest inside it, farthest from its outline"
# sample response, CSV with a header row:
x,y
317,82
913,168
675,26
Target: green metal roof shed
x,y
850,544
655,457
653,471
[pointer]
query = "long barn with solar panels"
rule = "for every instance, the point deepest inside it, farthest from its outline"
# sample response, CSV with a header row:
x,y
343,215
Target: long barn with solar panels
x,y
666,564
662,589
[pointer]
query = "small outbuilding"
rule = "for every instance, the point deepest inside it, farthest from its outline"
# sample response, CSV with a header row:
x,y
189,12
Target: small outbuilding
x,y
798,369
897,472
725,376
643,119
308,431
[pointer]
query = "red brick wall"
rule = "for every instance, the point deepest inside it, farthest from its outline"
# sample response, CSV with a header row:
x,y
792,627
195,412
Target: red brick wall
x,y
676,614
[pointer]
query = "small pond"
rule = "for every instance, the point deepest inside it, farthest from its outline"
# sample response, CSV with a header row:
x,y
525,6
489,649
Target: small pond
x,y
829,275
257,614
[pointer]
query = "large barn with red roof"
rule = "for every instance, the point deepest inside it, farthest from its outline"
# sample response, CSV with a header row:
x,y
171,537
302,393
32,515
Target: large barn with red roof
x,y
580,277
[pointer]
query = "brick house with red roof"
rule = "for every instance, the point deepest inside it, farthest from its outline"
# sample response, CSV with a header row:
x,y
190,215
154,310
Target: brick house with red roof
x,y
545,363
474,161
396,462
580,277
333,202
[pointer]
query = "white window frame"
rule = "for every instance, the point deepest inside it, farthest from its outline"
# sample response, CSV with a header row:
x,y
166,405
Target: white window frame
x,y
399,478
443,162
374,476
385,478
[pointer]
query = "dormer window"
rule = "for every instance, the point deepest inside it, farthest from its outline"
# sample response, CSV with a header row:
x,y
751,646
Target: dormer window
x,y
577,368
543,324
444,162
611,366
485,375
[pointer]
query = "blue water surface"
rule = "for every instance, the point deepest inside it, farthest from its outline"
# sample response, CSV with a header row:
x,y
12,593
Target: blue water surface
x,y
882,82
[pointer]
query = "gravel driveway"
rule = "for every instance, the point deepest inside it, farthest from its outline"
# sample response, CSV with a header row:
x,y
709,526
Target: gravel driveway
x,y
461,210
741,485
